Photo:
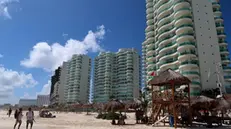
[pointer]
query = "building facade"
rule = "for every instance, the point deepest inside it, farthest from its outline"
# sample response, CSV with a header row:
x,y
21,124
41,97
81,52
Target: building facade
x,y
117,75
43,100
27,102
77,86
188,37
62,83
55,82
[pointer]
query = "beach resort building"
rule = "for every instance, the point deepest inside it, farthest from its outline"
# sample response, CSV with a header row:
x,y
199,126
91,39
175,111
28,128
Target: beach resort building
x,y
77,86
55,82
187,36
43,100
117,75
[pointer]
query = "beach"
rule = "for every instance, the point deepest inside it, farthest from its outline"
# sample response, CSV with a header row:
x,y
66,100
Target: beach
x,y
73,121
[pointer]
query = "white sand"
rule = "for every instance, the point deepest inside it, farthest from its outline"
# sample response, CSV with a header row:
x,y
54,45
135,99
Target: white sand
x,y
72,121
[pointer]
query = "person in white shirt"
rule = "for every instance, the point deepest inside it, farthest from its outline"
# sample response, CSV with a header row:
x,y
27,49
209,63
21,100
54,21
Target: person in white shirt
x,y
30,118
18,117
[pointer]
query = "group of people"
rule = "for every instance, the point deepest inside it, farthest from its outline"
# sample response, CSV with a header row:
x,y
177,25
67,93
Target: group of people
x,y
18,116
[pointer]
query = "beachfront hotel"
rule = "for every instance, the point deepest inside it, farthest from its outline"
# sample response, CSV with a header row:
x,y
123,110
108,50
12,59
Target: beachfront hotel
x,y
77,84
43,100
116,75
55,82
187,36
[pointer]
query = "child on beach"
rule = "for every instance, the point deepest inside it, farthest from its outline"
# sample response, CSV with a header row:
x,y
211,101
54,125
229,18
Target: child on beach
x,y
18,116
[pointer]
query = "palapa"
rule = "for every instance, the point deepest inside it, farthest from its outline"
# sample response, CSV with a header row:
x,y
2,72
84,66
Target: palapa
x,y
114,105
222,104
201,99
168,77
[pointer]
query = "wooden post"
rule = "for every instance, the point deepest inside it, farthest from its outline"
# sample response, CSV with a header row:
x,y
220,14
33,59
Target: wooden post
x,y
173,103
190,110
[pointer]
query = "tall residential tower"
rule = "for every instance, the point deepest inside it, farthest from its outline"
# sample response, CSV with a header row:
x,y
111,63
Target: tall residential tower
x,y
117,75
78,79
187,36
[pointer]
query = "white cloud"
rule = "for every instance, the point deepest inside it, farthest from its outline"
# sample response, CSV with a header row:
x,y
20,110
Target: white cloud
x,y
1,56
10,79
49,57
46,89
4,7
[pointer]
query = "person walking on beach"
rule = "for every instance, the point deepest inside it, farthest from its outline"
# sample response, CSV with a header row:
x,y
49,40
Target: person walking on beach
x,y
18,116
9,112
30,118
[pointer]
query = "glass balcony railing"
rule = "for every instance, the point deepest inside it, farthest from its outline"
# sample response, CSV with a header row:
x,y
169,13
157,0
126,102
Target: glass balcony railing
x,y
184,17
223,49
225,58
226,67
219,25
168,45
189,62
187,52
167,30
227,77
195,83
187,43
221,33
181,9
185,25
185,34
191,72
169,61
166,38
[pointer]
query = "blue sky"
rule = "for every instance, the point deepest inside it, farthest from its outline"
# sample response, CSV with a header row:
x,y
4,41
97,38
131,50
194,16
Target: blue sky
x,y
34,34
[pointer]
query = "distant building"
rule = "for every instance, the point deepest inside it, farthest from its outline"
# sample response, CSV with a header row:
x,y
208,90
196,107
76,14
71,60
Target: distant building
x,y
117,75
43,100
27,102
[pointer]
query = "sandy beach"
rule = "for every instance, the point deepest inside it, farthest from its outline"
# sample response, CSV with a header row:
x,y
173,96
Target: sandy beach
x,y
73,121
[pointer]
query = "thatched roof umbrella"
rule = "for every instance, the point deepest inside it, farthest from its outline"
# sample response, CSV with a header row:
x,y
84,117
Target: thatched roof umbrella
x,y
114,105
222,104
136,103
171,78
168,77
201,102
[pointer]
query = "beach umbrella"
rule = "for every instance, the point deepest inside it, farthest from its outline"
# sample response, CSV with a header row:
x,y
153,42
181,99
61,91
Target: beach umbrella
x,y
222,104
136,103
200,99
114,105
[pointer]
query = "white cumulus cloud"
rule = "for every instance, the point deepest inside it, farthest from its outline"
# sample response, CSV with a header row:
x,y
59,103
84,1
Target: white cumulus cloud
x,y
49,57
4,7
46,89
10,79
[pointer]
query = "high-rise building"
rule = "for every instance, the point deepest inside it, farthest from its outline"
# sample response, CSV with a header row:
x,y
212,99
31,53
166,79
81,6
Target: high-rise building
x,y
104,76
62,83
55,82
43,100
117,75
78,79
187,36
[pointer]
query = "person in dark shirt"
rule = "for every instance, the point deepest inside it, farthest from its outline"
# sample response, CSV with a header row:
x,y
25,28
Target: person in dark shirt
x,y
9,112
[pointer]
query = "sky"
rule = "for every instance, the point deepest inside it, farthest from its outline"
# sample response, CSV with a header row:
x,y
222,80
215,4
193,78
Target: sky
x,y
36,36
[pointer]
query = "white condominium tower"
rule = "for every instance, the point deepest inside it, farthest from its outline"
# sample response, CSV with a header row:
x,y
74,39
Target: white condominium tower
x,y
187,36
117,75
78,79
